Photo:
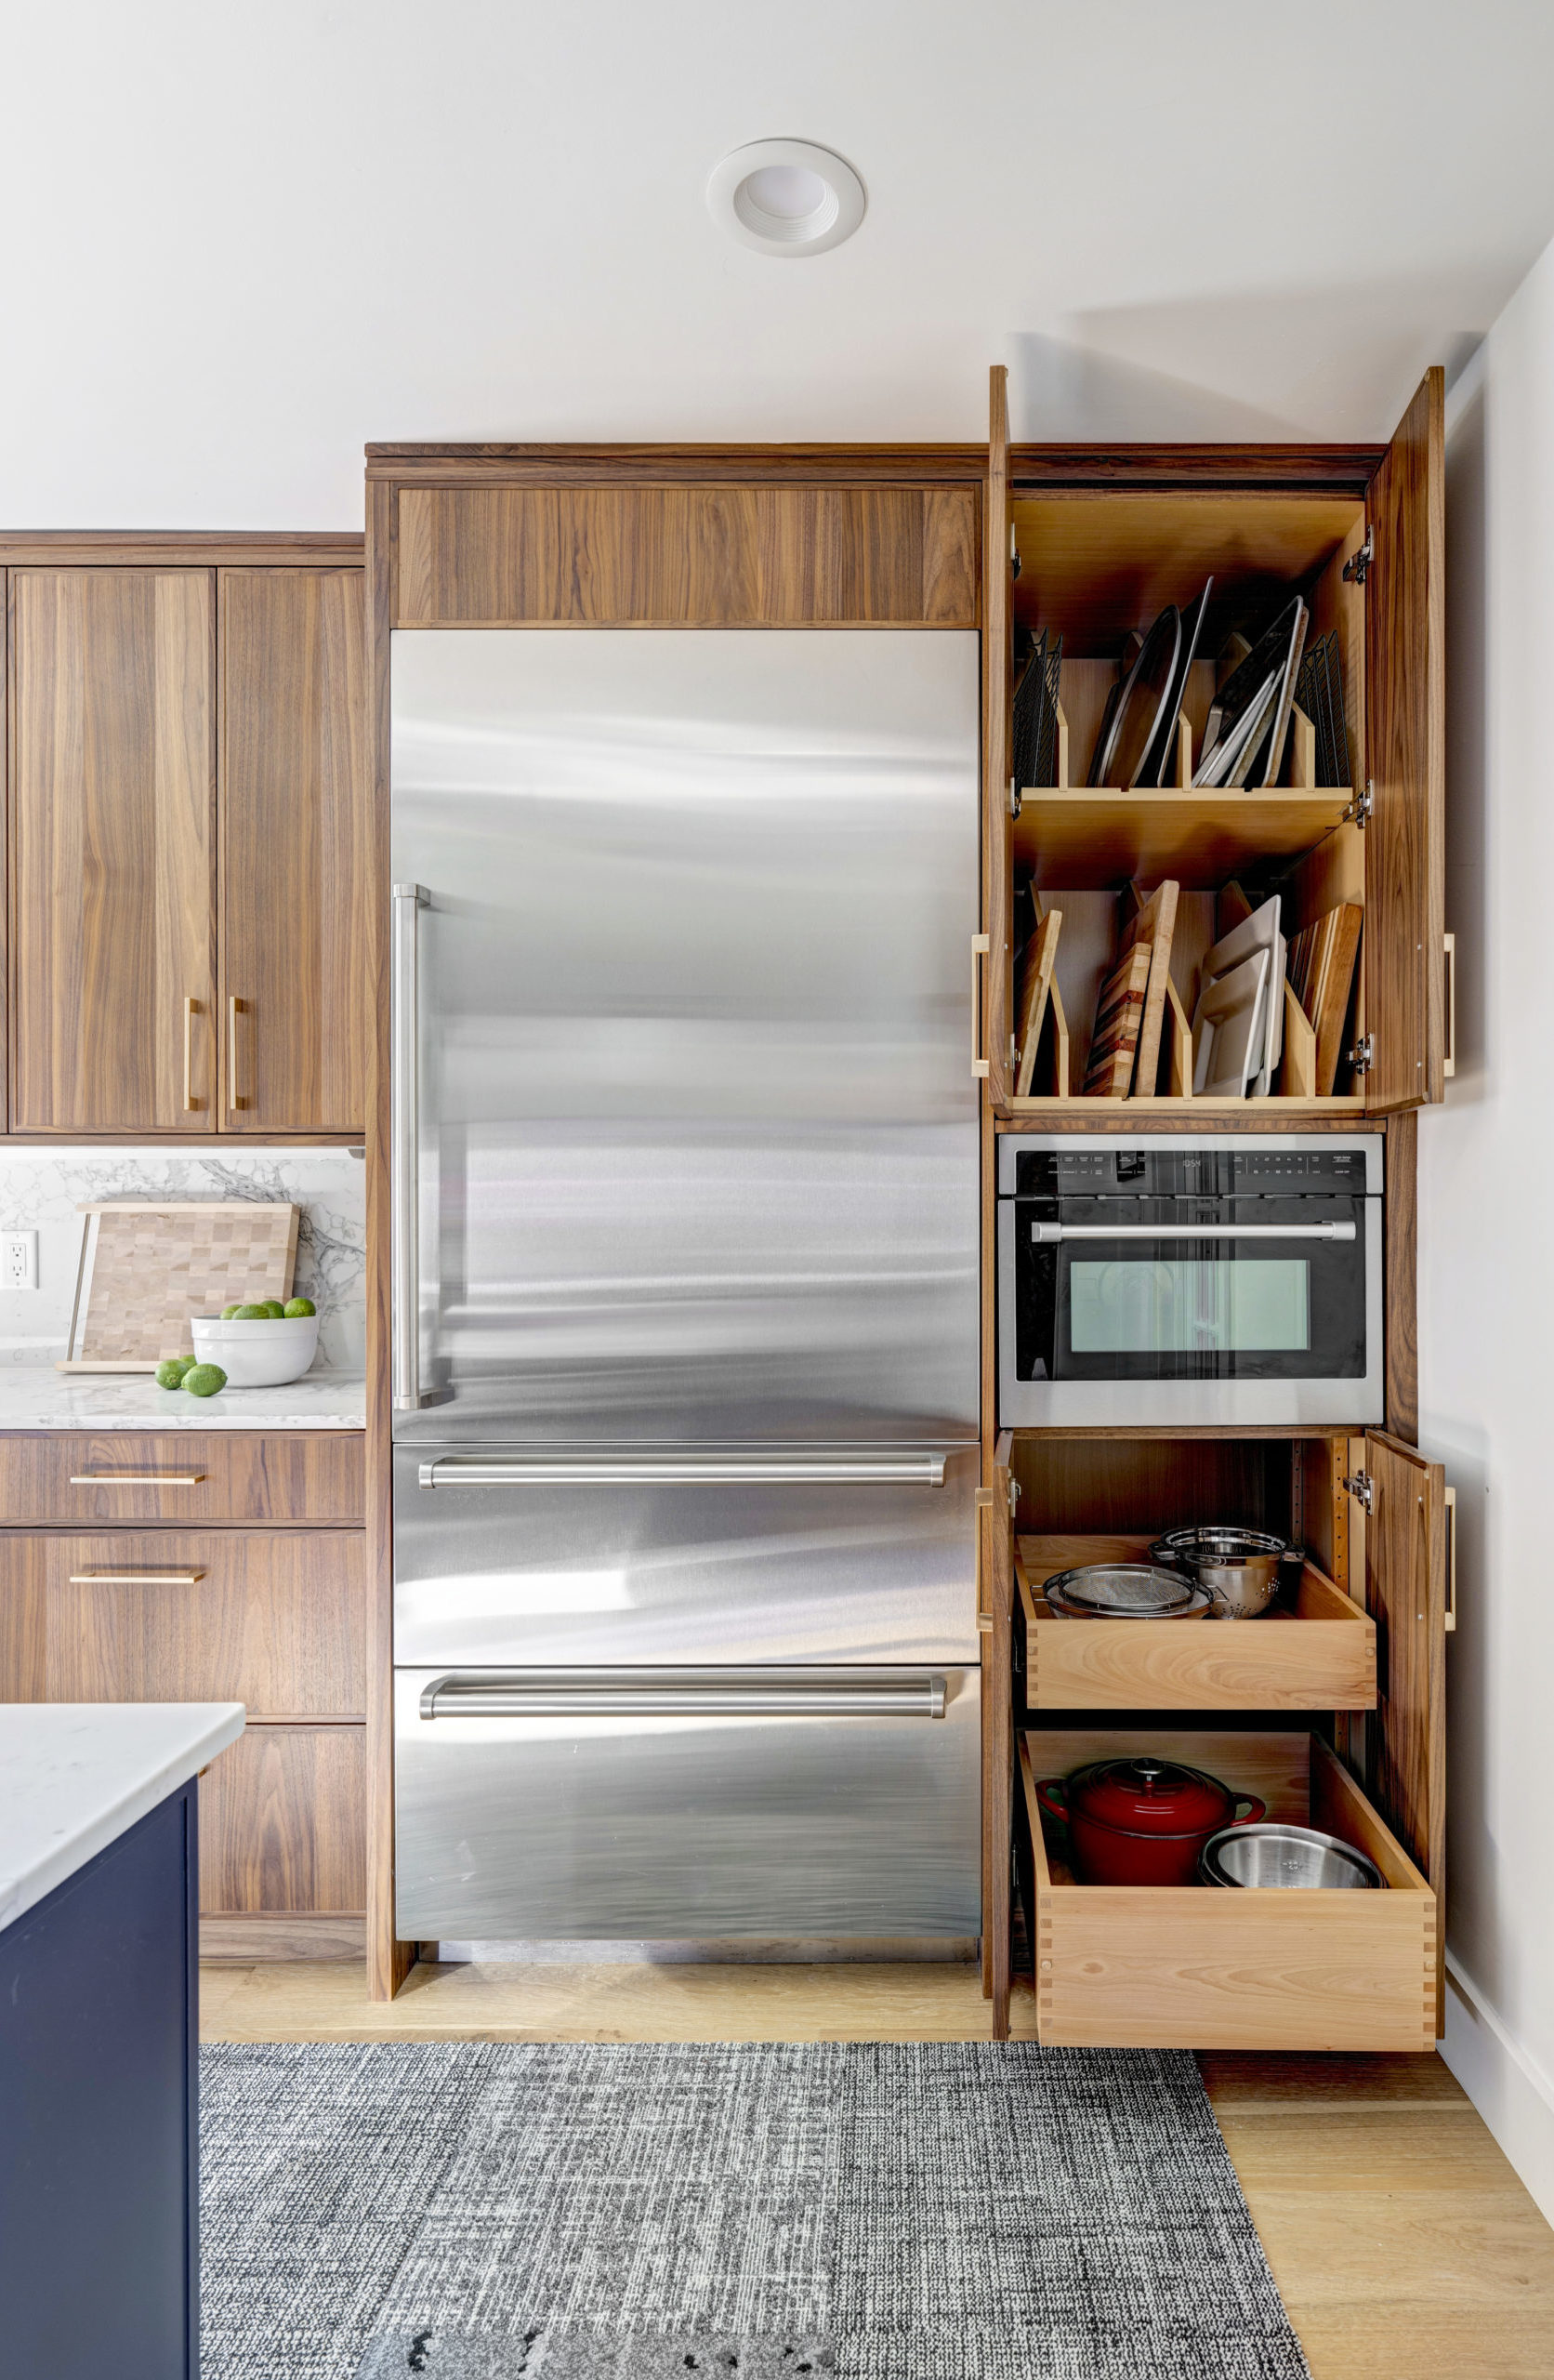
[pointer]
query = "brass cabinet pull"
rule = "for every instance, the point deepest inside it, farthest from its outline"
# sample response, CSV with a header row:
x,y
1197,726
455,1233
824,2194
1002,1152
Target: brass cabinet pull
x,y
136,1577
135,1478
981,946
190,1011
1451,1561
1448,1065
234,1098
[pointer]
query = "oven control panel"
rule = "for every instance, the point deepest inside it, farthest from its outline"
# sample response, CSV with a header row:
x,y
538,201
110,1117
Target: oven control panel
x,y
1170,1167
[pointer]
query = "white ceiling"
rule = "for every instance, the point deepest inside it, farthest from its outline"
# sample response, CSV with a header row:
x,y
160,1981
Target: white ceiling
x,y
240,237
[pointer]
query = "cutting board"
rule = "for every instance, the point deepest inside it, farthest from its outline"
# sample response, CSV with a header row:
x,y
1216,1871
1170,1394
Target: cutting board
x,y
146,1267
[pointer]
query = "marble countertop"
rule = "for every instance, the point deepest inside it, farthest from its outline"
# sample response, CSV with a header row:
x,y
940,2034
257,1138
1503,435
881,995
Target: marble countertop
x,y
74,1776
35,1397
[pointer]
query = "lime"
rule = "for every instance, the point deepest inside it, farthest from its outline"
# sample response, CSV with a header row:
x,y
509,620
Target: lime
x,y
250,1314
273,1309
227,1312
295,1306
203,1379
170,1372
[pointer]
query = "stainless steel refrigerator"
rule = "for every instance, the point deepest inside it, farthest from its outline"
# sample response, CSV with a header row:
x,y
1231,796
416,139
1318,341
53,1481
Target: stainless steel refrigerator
x,y
686,1287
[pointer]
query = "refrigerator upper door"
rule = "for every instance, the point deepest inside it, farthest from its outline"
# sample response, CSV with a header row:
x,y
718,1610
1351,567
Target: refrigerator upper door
x,y
697,1143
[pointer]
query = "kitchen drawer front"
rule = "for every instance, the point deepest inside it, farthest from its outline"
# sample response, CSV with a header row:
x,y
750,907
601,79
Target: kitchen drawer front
x,y
274,1620
716,1824
1320,1655
181,1476
1200,1967
283,1823
542,1575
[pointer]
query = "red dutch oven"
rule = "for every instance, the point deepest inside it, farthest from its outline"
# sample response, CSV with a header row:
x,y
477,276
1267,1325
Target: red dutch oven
x,y
1143,1822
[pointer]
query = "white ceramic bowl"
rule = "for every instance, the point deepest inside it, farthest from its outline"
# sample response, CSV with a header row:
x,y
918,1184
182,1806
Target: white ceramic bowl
x,y
256,1354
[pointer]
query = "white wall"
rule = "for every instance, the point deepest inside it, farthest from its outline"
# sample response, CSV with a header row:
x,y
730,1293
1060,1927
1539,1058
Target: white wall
x,y
1486,1201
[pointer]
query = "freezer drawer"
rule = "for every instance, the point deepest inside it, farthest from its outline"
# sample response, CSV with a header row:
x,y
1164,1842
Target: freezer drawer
x,y
607,1568
672,1805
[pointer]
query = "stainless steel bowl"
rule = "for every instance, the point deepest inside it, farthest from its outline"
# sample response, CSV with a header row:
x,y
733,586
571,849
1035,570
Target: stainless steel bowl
x,y
1125,1591
1242,1568
1288,1859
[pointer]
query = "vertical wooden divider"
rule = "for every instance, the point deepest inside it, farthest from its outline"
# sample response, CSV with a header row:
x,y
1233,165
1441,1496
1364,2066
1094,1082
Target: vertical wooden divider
x,y
997,1014
389,1961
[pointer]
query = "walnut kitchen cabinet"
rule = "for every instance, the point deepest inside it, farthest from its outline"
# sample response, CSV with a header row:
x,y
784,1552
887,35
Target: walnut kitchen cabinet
x,y
295,851
188,832
113,828
221,1565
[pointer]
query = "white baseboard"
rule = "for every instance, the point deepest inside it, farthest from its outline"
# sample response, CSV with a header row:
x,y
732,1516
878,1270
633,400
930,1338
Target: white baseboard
x,y
1510,2091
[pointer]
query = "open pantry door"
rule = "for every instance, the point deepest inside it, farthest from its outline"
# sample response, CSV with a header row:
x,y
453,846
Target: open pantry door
x,y
1405,1594
997,817
1406,733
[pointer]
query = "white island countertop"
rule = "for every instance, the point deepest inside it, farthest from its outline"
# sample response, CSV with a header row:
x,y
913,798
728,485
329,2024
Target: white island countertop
x,y
74,1776
35,1397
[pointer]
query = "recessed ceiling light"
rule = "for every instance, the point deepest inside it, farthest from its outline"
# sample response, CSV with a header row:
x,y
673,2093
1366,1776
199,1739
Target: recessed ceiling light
x,y
786,197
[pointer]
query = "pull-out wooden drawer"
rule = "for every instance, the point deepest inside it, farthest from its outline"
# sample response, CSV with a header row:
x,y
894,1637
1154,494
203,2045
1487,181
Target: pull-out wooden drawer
x,y
181,1476
275,1619
1199,1967
283,1823
1319,1655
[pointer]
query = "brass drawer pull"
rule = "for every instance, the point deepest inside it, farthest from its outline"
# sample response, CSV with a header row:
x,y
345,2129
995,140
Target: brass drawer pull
x,y
135,1478
234,1098
136,1577
1451,1560
1448,1065
981,947
190,1011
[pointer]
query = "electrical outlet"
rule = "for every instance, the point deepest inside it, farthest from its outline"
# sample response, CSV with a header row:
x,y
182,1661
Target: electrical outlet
x,y
19,1268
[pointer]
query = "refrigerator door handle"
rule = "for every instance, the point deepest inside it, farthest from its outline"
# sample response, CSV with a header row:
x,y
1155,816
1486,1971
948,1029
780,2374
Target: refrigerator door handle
x,y
920,1467
479,1695
409,900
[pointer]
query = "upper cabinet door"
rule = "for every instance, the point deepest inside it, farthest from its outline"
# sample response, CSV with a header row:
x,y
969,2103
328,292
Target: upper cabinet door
x,y
112,826
998,652
1405,733
296,852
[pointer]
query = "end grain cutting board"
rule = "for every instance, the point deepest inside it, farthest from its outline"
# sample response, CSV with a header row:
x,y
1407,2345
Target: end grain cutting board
x,y
147,1266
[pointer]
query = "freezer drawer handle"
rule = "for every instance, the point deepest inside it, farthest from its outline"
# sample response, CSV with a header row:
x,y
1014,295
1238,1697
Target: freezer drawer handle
x,y
914,1468
475,1696
1046,1233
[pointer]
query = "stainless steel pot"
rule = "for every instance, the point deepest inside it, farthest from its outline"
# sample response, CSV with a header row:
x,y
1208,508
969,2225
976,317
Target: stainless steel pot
x,y
1289,1858
1242,1569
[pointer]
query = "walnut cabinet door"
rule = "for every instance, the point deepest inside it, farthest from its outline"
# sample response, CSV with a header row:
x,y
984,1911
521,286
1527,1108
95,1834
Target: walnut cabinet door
x,y
296,852
112,788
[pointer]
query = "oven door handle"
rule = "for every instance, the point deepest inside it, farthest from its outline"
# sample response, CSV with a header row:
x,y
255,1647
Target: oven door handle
x,y
474,1696
909,1468
1047,1233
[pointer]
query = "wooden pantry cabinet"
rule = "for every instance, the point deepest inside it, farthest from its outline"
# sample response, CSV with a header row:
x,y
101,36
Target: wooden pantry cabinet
x,y
227,1567
187,839
1088,544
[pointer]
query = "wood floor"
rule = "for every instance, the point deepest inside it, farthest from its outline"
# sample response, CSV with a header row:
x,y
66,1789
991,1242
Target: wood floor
x,y
1403,2245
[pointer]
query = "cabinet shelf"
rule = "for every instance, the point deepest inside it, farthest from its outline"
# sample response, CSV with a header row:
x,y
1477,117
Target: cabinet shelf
x,y
1099,837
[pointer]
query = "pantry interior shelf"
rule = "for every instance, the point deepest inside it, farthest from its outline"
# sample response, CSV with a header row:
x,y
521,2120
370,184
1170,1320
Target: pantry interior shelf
x,y
1096,837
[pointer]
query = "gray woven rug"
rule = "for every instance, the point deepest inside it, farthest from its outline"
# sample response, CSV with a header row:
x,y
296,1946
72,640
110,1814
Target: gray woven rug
x,y
472,2210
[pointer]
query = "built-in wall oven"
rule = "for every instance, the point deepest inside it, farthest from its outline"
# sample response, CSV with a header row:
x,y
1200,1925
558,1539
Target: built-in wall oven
x,y
1174,1280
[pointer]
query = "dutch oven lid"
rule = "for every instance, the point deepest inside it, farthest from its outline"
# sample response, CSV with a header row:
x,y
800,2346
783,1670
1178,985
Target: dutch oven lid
x,y
1147,1796
1132,1587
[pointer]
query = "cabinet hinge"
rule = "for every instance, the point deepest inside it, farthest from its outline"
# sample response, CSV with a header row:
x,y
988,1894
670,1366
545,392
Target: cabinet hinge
x,y
1362,1489
1014,552
1014,1496
1014,799
1361,559
1362,1056
1362,808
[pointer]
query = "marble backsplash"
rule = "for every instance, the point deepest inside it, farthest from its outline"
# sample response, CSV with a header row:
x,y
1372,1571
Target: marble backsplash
x,y
41,1189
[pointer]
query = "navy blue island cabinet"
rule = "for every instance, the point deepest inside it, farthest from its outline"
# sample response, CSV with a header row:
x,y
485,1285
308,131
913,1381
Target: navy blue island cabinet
x,y
98,2114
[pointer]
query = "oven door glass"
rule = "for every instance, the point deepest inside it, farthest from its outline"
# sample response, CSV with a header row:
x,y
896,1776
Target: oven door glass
x,y
1123,1290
